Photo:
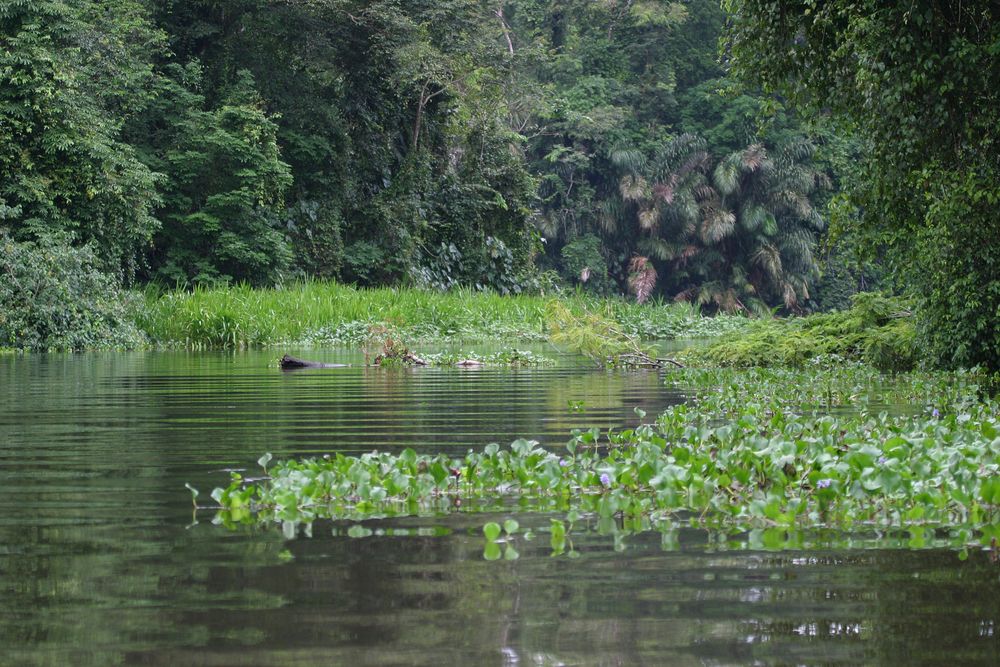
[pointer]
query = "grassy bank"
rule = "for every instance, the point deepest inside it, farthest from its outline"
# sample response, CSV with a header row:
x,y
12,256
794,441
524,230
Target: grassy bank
x,y
324,313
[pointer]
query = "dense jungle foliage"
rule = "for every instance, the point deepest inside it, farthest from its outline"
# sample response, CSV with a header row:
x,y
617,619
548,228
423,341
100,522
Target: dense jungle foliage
x,y
919,84
435,143
516,146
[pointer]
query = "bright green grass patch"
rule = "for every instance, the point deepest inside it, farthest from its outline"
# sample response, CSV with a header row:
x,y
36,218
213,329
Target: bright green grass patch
x,y
330,313
876,330
750,452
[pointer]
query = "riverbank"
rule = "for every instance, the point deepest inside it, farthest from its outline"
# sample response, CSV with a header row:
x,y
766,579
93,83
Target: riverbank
x,y
327,313
876,330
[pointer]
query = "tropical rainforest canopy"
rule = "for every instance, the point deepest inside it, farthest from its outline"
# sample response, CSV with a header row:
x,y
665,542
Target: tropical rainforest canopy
x,y
516,145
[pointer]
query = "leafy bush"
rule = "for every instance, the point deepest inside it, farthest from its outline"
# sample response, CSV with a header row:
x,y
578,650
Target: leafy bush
x,y
364,263
53,297
318,245
224,185
955,270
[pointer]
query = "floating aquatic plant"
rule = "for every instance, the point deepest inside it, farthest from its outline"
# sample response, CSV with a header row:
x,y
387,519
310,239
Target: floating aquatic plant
x,y
751,452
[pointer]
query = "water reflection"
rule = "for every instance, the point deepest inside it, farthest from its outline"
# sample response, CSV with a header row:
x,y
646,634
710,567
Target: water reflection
x,y
100,565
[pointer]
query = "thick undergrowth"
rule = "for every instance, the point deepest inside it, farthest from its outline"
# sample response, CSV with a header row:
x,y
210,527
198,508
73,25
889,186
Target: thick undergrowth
x,y
55,297
756,451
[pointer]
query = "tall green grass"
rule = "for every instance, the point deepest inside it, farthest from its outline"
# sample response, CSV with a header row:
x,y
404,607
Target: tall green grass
x,y
329,313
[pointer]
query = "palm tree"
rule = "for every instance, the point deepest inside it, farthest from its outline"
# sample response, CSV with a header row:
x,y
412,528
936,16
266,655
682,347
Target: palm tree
x,y
657,209
757,229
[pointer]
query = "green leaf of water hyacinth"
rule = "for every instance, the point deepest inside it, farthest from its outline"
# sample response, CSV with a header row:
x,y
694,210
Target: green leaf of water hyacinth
x,y
510,526
491,531
558,538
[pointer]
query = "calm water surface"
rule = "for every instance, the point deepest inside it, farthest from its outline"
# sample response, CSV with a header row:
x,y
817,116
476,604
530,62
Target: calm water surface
x,y
102,563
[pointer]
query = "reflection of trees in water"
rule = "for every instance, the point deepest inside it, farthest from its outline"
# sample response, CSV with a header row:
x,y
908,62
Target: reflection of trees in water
x,y
88,590
932,608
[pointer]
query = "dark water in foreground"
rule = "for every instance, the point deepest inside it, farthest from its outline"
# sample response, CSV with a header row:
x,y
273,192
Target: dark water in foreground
x,y
101,564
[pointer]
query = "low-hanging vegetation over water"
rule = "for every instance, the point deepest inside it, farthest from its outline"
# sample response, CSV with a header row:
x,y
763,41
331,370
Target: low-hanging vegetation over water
x,y
753,450
876,330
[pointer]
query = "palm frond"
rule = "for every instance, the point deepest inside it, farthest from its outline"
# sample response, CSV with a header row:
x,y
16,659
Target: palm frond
x,y
687,295
727,175
797,150
704,191
789,295
758,308
642,277
696,161
661,249
768,258
718,224
724,298
797,249
753,216
753,157
629,159
664,190
610,215
648,217
633,188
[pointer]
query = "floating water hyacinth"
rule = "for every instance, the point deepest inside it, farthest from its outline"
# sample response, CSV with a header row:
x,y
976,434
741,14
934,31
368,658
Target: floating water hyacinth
x,y
730,461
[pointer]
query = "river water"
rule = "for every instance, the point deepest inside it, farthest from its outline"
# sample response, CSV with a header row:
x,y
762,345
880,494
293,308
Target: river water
x,y
103,562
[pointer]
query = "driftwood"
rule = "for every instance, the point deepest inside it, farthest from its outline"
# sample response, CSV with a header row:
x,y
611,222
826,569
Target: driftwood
x,y
288,362
641,360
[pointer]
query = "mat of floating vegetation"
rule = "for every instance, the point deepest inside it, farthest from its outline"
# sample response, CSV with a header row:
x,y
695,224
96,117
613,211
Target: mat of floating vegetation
x,y
730,461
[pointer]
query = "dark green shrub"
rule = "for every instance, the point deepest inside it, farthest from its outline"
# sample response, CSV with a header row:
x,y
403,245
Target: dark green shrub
x,y
317,242
956,270
365,264
53,297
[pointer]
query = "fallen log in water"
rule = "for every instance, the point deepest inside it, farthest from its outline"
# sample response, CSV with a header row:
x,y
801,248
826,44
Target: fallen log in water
x,y
288,362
